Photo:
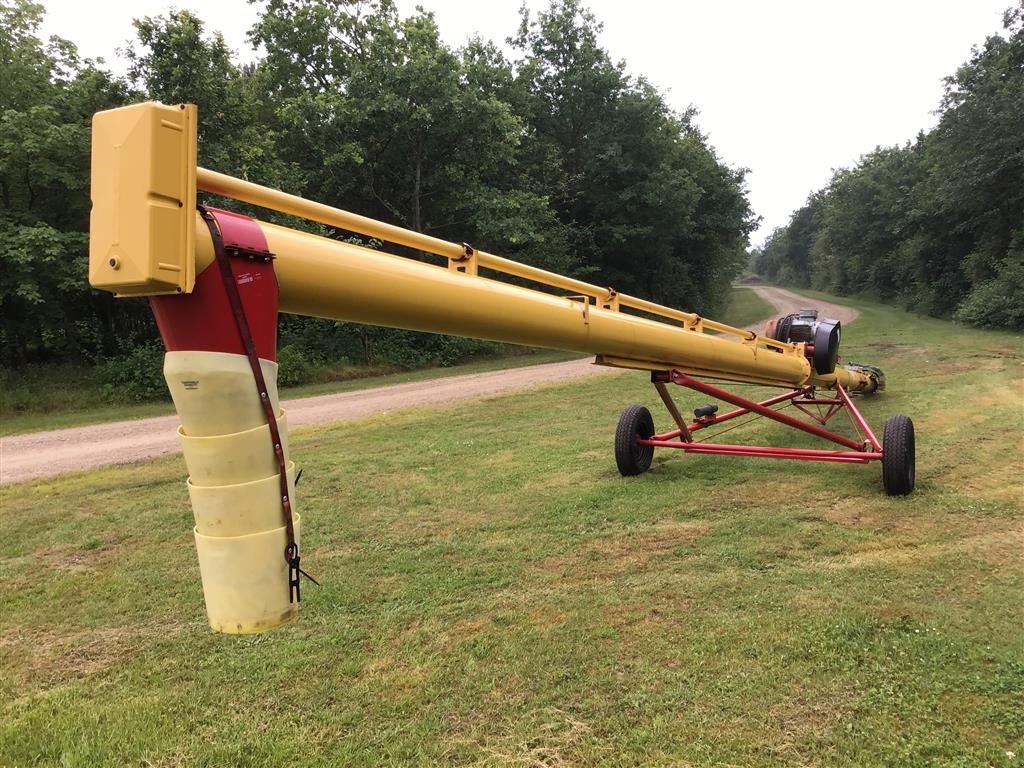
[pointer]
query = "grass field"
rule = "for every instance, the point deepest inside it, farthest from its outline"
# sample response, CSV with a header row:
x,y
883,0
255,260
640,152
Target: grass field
x,y
494,594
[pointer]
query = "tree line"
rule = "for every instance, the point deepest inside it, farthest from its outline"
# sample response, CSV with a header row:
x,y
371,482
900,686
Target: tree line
x,y
936,225
555,155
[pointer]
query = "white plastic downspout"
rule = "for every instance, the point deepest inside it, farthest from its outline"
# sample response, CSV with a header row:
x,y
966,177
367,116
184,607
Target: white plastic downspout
x,y
234,487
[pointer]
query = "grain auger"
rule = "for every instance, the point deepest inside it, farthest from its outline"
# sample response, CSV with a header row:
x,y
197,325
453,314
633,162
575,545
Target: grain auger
x,y
216,281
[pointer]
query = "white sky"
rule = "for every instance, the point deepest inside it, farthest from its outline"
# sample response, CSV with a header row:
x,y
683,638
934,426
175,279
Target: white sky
x,y
787,88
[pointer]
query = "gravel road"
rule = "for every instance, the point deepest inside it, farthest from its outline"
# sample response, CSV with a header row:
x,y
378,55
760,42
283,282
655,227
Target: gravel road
x,y
45,454
787,302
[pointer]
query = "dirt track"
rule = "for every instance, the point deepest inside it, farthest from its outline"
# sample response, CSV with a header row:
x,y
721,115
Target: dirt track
x,y
786,302
45,454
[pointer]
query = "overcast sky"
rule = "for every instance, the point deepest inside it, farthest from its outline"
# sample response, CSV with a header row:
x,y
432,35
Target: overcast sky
x,y
790,89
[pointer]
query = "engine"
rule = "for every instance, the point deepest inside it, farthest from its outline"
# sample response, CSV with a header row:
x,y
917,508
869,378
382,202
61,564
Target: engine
x,y
820,336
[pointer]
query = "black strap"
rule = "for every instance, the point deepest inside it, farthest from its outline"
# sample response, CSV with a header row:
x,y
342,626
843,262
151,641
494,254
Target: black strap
x,y
291,550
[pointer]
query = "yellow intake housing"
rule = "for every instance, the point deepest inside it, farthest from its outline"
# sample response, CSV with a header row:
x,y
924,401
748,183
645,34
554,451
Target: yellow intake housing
x,y
142,226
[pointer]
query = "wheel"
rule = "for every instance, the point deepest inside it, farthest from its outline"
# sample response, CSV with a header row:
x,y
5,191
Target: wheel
x,y
898,456
633,459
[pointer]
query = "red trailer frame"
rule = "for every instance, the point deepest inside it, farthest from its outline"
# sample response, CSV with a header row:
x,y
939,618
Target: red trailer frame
x,y
866,449
636,438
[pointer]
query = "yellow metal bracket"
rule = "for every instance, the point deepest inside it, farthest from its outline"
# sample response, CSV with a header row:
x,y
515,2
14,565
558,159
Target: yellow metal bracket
x,y
612,301
467,264
142,226
586,306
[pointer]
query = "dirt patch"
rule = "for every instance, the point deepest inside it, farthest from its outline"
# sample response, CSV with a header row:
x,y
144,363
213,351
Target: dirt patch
x,y
916,552
1001,395
802,722
77,563
627,554
395,675
547,738
666,536
69,559
903,349
48,659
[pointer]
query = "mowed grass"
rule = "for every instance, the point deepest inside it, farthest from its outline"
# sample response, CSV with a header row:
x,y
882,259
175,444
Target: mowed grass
x,y
746,308
494,594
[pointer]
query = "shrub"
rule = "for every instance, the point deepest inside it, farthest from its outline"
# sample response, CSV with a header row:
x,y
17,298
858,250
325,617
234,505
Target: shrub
x,y
412,349
294,366
996,303
137,375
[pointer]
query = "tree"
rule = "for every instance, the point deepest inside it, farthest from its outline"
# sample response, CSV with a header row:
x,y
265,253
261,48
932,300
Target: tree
x,y
938,224
383,118
49,95
979,153
173,62
559,159
647,206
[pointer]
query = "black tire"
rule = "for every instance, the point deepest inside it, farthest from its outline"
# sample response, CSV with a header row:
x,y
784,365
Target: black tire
x,y
898,456
633,459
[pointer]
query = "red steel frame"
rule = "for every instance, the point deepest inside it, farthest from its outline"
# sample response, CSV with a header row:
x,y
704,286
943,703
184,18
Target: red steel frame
x,y
856,452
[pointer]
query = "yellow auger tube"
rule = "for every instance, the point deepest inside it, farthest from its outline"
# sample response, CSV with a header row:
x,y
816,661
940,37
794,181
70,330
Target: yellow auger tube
x,y
275,200
233,485
327,278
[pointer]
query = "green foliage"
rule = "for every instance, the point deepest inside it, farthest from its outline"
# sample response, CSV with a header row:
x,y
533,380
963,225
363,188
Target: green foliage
x,y
174,61
998,302
45,389
557,157
135,376
48,96
935,225
324,343
410,349
294,366
623,173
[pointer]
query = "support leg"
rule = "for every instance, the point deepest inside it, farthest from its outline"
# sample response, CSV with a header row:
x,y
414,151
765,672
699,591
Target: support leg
x,y
670,404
